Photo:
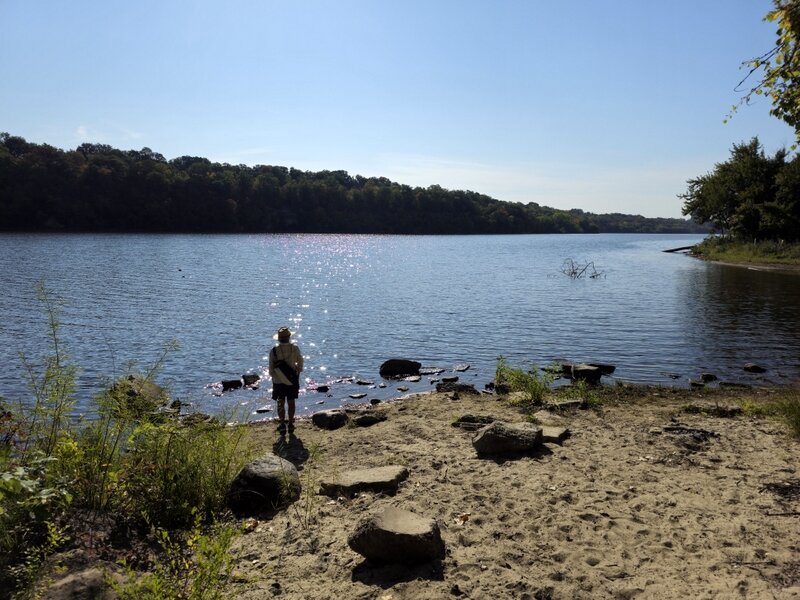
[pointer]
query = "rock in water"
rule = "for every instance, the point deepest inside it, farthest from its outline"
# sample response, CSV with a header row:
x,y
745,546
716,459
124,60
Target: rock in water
x,y
399,367
395,535
264,485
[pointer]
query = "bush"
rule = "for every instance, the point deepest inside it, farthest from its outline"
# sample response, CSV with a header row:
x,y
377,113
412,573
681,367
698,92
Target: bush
x,y
533,384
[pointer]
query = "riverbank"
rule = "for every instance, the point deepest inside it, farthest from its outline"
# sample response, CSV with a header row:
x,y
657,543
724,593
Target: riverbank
x,y
765,255
647,498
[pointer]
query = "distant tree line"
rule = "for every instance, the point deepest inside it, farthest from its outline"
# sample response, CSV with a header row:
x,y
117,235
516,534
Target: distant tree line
x,y
99,188
750,197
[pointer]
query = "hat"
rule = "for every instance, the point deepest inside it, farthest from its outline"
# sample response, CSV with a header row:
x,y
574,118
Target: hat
x,y
283,334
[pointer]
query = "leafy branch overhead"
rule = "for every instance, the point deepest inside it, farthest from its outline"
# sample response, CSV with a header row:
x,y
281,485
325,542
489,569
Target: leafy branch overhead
x,y
779,68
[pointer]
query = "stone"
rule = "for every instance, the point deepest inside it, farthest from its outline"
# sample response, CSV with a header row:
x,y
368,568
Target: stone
x,y
231,384
554,435
605,369
754,368
381,480
463,388
323,389
250,379
472,422
395,535
708,377
264,409
366,418
461,368
330,419
358,396
504,438
263,485
587,373
364,382
412,378
571,404
431,371
399,367
88,584
450,379
402,388
139,395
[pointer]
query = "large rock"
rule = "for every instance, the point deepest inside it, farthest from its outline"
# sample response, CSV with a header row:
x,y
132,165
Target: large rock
x,y
265,484
399,367
383,480
754,368
398,536
138,396
330,419
504,438
588,373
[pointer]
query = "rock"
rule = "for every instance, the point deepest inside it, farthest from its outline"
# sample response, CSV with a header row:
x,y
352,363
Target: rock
x,y
503,438
402,388
366,418
554,435
754,368
138,395
604,368
708,377
461,368
450,379
330,419
571,404
250,379
399,367
472,422
587,373
431,371
265,484
364,382
462,388
358,396
412,378
381,385
696,384
264,409
382,480
323,389
395,535
231,384
88,584
375,401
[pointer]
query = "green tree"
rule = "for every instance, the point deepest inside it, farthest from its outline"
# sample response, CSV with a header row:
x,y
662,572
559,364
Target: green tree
x,y
778,70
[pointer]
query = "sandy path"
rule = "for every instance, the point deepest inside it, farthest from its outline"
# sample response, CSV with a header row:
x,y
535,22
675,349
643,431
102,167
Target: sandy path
x,y
617,511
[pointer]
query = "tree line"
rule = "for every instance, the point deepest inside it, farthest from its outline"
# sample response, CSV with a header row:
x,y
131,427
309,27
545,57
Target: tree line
x,y
100,188
750,197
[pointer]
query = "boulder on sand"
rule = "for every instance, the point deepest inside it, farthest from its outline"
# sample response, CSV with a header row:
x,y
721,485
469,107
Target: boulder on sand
x,y
331,419
505,438
395,535
383,480
264,485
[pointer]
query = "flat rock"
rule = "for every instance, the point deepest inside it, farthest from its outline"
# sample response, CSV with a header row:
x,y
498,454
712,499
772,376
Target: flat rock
x,y
250,379
571,404
330,419
366,418
462,388
554,435
395,535
754,368
588,373
505,438
263,485
231,384
358,396
382,480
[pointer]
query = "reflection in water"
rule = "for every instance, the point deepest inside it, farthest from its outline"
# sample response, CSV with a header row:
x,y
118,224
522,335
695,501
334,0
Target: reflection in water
x,y
736,315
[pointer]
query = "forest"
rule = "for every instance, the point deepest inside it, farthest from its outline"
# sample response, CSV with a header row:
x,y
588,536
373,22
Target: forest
x,y
98,188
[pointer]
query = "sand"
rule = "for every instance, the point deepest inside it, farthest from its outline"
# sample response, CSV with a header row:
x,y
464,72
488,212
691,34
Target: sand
x,y
622,509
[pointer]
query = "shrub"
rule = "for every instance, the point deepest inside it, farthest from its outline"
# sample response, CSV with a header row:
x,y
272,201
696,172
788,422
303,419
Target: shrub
x,y
533,384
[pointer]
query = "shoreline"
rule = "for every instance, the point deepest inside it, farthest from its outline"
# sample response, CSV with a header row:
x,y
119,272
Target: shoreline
x,y
623,508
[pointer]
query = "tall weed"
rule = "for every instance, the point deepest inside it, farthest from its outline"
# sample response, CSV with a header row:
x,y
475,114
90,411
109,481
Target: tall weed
x,y
533,384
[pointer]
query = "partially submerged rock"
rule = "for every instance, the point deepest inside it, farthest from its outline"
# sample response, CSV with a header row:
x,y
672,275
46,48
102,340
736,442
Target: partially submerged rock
x,y
395,535
399,367
505,438
382,480
264,485
451,386
754,368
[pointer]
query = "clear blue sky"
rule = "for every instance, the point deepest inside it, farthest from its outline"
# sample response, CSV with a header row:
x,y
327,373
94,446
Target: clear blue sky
x,y
604,105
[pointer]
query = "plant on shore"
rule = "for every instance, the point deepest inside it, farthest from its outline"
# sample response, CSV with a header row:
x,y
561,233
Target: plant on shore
x,y
788,410
533,385
764,251
196,567
132,459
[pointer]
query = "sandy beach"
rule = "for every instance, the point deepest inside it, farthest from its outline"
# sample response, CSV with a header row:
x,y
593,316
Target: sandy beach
x,y
643,500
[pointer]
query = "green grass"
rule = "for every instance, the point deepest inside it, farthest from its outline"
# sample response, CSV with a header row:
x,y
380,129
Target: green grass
x,y
763,252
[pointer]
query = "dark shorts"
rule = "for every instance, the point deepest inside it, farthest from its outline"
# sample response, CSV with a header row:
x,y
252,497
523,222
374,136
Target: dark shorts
x,y
281,390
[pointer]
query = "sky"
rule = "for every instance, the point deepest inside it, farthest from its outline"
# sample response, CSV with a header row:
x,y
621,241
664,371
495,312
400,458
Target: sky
x,y
602,105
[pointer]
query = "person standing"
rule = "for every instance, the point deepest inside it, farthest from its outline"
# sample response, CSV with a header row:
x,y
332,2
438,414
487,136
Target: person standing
x,y
285,366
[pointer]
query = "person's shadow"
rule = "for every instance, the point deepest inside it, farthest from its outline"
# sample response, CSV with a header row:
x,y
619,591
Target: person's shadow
x,y
292,449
